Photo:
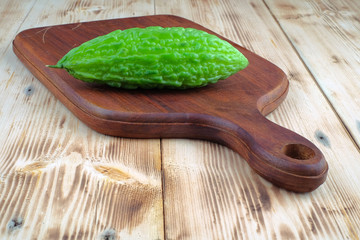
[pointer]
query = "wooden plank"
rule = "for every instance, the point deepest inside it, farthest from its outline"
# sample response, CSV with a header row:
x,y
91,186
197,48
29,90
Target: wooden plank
x,y
12,16
14,13
210,193
58,178
326,36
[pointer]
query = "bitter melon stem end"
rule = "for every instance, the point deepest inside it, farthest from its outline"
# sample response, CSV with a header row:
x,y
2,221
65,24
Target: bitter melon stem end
x,y
54,66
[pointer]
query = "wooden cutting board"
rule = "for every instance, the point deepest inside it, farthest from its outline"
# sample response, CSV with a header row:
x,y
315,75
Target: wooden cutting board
x,y
230,112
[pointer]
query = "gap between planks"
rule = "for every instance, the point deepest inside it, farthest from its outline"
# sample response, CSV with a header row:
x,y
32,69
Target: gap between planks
x,y
162,185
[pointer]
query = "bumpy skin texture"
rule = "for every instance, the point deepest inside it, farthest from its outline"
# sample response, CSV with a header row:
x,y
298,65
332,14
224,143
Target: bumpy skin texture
x,y
154,57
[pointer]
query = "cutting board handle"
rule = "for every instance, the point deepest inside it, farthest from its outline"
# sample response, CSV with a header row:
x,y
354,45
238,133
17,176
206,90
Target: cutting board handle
x,y
281,156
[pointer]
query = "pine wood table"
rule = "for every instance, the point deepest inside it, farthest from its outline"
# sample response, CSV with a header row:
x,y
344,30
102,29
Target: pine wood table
x,y
59,179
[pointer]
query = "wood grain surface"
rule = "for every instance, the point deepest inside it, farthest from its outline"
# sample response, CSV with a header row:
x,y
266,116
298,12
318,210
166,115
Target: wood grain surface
x,y
61,179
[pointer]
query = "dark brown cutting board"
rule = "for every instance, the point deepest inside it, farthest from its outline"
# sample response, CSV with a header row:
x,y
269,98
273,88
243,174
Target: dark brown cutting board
x,y
230,112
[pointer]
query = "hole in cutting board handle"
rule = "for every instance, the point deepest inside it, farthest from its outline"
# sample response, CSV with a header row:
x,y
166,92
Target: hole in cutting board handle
x,y
298,151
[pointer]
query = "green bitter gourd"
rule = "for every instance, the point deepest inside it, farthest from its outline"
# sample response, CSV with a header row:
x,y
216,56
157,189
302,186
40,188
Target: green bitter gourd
x,y
154,57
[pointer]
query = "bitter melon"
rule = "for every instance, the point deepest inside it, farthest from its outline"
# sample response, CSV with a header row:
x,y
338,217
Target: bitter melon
x,y
154,57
